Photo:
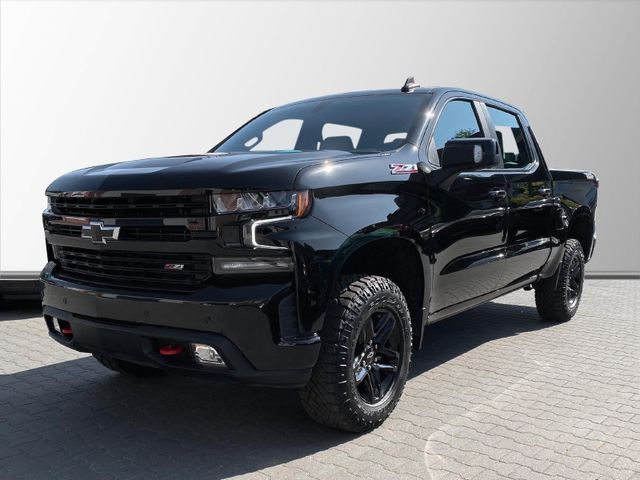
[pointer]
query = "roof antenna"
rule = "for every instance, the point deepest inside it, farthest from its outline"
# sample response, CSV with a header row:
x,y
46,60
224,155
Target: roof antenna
x,y
409,86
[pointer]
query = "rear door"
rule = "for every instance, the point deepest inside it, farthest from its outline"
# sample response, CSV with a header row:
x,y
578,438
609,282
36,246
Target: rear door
x,y
529,194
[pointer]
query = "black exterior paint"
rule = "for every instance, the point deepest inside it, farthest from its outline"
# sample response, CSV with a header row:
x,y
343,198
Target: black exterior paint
x,y
467,246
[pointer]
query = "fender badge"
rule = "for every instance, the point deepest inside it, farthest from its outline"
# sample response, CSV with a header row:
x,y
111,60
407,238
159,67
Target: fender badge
x,y
403,168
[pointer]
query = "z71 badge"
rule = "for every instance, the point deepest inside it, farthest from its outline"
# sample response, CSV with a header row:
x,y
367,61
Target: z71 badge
x,y
403,168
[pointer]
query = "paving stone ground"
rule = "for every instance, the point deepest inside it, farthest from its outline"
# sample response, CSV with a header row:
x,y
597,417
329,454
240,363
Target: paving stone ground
x,y
495,393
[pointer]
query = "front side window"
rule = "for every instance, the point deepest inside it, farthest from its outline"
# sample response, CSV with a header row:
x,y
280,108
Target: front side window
x,y
513,144
457,120
359,124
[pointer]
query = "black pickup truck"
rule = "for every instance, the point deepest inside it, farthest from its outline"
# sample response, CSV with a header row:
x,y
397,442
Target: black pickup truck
x,y
311,247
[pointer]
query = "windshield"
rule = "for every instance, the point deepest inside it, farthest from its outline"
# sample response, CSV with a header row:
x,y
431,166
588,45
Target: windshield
x,y
364,124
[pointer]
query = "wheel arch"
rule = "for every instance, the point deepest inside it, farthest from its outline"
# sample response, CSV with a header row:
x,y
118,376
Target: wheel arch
x,y
399,260
581,227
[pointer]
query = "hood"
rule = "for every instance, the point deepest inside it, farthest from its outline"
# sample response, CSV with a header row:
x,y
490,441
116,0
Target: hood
x,y
256,171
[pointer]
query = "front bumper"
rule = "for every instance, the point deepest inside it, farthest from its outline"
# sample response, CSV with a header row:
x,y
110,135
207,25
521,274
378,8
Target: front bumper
x,y
241,322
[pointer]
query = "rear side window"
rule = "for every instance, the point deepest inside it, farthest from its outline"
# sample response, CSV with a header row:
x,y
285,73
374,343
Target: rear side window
x,y
457,120
513,144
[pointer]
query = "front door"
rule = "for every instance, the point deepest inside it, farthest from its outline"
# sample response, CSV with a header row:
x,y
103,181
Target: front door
x,y
469,211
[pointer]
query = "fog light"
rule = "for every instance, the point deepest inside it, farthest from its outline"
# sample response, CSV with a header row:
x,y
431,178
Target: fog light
x,y
206,354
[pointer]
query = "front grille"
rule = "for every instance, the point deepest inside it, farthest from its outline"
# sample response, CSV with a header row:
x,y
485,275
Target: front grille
x,y
159,234
149,234
66,230
132,206
141,270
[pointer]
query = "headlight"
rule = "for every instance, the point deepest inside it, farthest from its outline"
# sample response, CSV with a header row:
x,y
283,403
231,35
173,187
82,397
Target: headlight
x,y
296,203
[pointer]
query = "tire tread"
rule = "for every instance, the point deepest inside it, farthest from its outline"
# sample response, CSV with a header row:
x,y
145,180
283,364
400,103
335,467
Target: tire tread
x,y
551,297
325,398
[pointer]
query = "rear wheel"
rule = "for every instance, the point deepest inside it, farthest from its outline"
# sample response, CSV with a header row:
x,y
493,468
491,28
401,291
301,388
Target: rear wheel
x,y
558,301
364,358
126,368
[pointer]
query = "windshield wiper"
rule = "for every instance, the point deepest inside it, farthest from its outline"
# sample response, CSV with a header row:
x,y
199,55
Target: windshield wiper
x,y
365,150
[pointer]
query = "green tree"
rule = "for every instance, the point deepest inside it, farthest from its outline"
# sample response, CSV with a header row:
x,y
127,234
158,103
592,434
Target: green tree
x,y
465,133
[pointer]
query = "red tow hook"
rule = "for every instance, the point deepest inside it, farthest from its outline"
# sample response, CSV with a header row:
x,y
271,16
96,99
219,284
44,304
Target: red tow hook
x,y
65,328
168,350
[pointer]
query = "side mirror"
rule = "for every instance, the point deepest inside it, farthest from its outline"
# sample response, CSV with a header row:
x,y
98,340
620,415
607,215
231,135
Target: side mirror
x,y
470,152
423,167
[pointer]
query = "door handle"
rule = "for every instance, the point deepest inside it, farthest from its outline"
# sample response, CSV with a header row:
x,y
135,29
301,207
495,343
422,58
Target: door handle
x,y
497,194
544,191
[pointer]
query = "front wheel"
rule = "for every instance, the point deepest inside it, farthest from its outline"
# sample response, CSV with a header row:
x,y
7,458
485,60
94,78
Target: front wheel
x,y
364,359
557,300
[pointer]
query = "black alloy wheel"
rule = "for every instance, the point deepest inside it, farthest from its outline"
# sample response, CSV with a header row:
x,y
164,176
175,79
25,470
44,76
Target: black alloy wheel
x,y
377,355
364,357
575,281
558,297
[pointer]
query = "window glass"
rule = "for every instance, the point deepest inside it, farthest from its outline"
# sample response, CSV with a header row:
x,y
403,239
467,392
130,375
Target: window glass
x,y
281,136
457,120
336,130
395,137
513,144
362,124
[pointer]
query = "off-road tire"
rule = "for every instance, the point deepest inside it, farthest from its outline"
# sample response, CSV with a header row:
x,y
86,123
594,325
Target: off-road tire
x,y
331,396
553,298
126,368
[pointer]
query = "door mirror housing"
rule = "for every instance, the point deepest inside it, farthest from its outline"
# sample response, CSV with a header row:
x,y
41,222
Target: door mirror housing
x,y
423,167
470,152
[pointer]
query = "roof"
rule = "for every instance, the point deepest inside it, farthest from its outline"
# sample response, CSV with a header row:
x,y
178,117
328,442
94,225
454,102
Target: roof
x,y
437,91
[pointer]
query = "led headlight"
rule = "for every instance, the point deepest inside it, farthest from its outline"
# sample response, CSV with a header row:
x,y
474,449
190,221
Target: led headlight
x,y
239,202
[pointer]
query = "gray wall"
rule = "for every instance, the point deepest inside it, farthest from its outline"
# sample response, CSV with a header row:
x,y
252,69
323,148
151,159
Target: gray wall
x,y
89,82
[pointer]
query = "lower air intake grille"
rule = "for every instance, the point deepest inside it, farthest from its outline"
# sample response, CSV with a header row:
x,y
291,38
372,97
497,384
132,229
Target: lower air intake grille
x,y
141,270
